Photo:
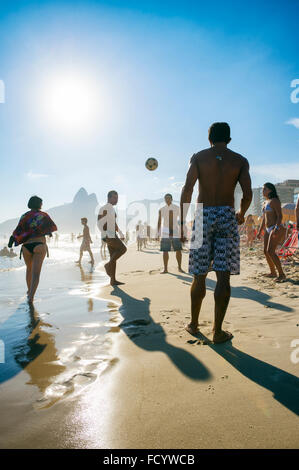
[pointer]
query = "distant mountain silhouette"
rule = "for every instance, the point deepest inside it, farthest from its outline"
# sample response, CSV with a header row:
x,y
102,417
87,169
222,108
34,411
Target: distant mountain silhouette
x,y
67,217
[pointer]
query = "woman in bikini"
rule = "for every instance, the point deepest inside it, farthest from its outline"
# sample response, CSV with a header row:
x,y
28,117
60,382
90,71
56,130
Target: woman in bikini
x,y
31,232
274,231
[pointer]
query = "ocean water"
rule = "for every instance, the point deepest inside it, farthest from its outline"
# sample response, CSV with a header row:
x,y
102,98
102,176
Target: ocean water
x,y
61,345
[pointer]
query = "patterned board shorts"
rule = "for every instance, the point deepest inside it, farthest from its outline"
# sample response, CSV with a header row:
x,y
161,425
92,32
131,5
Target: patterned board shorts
x,y
168,243
219,249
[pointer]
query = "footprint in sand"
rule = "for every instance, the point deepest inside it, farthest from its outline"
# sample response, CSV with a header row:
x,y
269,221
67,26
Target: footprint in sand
x,y
204,323
57,391
167,312
210,389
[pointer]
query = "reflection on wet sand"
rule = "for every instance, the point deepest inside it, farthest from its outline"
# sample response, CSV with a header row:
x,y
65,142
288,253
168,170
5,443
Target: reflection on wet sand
x,y
87,278
29,345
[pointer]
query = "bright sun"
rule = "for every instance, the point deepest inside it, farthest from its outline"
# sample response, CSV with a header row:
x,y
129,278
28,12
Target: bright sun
x,y
70,102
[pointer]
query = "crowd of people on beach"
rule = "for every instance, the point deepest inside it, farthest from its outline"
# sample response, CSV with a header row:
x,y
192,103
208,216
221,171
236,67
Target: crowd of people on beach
x,y
216,170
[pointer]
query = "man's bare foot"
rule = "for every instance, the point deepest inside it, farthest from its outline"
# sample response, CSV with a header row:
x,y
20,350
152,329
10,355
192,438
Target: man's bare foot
x,y
164,272
192,329
281,278
181,270
269,275
78,262
222,337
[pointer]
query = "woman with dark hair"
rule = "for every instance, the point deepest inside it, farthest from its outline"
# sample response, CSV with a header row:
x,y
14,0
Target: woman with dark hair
x,y
31,232
274,231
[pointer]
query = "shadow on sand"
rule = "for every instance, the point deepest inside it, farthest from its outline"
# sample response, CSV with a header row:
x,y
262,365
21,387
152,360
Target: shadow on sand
x,y
241,292
146,334
141,329
283,385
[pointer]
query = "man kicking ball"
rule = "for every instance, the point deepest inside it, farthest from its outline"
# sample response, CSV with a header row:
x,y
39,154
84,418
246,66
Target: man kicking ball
x,y
108,228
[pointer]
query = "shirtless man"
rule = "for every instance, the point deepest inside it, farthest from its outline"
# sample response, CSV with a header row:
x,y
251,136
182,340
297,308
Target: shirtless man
x,y
108,227
85,245
169,216
217,169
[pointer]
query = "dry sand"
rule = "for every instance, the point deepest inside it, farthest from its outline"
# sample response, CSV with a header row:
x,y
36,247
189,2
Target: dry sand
x,y
172,390
166,389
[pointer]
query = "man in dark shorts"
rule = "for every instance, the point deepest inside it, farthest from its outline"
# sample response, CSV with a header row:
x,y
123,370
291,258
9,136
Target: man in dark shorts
x,y
108,227
169,231
218,170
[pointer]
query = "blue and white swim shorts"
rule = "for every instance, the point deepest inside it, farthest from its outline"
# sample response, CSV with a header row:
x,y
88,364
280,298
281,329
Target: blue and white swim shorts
x,y
219,249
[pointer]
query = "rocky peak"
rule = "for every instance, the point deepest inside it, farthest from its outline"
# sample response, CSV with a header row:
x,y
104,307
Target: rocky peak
x,y
81,196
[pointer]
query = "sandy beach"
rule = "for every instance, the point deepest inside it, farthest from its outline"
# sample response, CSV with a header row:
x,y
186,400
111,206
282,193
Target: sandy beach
x,y
114,368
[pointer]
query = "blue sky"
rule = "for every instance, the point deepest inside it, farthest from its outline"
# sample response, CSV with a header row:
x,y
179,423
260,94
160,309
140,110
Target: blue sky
x,y
159,74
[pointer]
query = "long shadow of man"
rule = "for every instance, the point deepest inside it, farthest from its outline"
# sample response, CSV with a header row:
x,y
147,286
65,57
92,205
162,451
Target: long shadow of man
x,y
146,334
283,385
241,292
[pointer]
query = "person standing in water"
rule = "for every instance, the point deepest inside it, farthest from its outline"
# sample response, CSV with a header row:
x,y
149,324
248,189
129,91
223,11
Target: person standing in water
x,y
169,219
31,232
85,245
274,231
109,228
215,242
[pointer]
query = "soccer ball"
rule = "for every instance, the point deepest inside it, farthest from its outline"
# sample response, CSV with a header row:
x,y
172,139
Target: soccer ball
x,y
151,164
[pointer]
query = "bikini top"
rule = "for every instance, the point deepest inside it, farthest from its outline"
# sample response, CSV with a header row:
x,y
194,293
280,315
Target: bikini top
x,y
267,207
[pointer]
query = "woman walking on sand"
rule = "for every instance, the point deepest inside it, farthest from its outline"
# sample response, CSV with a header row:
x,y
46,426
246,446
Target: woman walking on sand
x,y
31,232
274,231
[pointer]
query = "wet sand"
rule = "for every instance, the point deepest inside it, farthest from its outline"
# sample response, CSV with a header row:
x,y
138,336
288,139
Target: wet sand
x,y
156,386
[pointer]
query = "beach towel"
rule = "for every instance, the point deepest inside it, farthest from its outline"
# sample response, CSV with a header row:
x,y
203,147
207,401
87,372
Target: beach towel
x,y
33,224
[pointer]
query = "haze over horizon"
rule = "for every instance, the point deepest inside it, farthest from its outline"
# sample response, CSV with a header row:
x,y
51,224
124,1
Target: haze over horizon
x,y
92,89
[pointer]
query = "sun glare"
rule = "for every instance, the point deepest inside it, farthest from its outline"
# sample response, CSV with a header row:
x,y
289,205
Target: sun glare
x,y
70,102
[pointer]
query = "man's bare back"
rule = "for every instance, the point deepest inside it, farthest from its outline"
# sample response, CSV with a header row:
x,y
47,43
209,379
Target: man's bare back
x,y
218,169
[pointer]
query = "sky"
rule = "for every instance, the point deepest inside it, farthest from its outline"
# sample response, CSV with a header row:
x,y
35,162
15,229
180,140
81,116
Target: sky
x,y
90,90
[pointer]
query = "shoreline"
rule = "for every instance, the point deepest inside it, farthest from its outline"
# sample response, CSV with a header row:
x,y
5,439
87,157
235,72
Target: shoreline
x,y
163,388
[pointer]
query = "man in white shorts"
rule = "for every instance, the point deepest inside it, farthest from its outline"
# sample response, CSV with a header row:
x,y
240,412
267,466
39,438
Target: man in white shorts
x,y
169,219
